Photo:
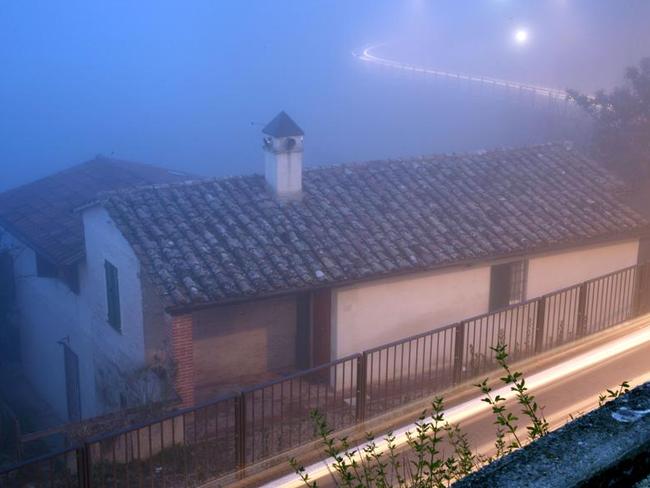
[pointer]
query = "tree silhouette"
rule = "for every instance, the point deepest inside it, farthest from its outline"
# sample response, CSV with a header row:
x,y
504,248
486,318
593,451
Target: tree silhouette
x,y
622,122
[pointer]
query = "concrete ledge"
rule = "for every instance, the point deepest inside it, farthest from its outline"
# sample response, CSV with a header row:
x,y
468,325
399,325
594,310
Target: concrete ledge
x,y
607,447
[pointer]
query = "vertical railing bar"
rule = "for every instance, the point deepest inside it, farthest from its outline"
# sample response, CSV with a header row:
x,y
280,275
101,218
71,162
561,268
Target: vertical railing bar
x,y
370,383
431,336
539,324
600,302
386,378
342,394
361,388
401,374
336,382
617,297
458,356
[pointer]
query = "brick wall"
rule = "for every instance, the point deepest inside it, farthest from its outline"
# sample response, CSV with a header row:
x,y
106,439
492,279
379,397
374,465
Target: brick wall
x,y
183,350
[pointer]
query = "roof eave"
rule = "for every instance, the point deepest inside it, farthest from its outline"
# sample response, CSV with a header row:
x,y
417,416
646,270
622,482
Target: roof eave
x,y
189,308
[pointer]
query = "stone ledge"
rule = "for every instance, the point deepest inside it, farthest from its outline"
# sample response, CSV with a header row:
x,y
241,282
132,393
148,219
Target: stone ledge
x,y
607,447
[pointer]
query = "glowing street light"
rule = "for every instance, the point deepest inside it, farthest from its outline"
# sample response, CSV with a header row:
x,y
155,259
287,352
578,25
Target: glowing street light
x,y
521,36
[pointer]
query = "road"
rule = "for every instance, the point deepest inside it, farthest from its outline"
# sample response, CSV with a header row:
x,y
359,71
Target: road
x,y
570,387
368,55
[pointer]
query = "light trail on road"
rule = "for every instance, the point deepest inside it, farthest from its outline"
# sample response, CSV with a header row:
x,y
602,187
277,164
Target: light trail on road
x,y
368,56
470,410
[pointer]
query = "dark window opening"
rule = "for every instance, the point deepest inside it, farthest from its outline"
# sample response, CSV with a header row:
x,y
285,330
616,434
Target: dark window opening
x,y
508,284
72,384
67,274
113,296
70,277
7,284
45,268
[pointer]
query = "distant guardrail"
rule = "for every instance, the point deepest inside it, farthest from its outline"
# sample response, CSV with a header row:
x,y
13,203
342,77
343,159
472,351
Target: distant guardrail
x,y
553,93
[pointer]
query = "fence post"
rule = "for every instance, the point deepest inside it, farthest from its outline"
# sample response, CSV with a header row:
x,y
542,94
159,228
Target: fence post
x,y
459,347
240,426
640,301
581,326
362,362
83,466
539,324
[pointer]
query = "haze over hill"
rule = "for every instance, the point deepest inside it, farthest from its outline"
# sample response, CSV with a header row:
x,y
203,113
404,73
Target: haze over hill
x,y
179,85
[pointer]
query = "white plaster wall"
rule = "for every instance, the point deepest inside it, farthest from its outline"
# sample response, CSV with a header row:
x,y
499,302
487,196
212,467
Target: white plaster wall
x,y
554,271
283,169
49,312
105,242
374,313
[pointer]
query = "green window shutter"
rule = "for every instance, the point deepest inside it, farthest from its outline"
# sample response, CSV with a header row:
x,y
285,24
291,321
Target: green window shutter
x,y
113,296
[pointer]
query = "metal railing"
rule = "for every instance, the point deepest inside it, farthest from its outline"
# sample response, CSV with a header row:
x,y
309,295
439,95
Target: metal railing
x,y
195,445
60,469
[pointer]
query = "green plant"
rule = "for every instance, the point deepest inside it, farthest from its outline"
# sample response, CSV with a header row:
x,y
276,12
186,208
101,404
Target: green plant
x,y
610,395
424,463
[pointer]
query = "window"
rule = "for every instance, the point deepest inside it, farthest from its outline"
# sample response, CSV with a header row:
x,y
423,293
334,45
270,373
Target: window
x,y
113,296
67,274
508,284
70,276
7,284
45,269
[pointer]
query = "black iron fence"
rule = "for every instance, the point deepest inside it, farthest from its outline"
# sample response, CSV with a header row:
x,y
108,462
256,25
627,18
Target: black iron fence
x,y
195,445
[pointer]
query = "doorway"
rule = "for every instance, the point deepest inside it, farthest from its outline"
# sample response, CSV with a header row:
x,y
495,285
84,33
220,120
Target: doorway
x,y
72,385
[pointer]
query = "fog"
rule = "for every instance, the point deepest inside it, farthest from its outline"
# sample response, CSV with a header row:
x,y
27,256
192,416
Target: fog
x,y
186,85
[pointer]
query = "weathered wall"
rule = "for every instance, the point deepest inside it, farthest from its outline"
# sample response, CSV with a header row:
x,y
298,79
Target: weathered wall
x,y
117,353
373,313
239,343
156,322
49,312
550,272
110,362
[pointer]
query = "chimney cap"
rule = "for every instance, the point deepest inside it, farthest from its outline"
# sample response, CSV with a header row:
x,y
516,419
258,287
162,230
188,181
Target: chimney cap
x,y
282,126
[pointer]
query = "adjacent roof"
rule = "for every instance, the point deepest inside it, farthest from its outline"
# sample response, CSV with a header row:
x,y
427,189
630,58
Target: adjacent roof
x,y
217,240
282,126
41,213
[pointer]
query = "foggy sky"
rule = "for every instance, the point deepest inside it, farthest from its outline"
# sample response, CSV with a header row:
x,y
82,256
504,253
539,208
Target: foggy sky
x,y
179,83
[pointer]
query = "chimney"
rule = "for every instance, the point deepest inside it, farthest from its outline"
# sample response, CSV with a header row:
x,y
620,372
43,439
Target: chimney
x,y
283,149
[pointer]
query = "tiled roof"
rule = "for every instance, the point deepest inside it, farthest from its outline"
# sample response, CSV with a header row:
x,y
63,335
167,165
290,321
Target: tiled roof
x,y
42,215
217,240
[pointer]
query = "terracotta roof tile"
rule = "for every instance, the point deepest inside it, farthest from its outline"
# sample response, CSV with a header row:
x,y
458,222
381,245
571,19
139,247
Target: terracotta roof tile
x,y
217,240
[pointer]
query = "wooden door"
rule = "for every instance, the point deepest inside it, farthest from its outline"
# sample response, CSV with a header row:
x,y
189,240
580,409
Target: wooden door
x,y
322,326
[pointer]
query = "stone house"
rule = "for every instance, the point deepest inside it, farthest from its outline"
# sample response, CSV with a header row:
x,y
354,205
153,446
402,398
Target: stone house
x,y
46,282
248,278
